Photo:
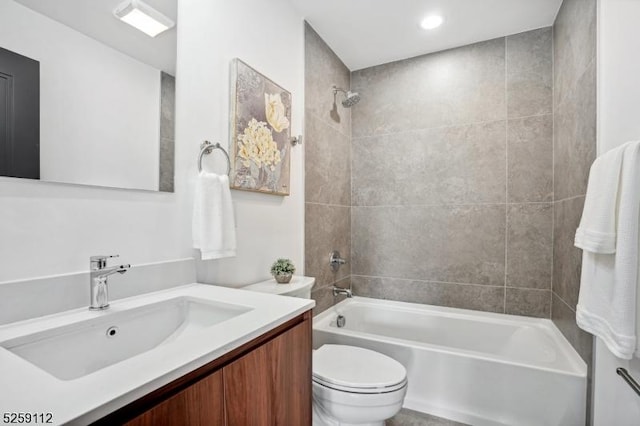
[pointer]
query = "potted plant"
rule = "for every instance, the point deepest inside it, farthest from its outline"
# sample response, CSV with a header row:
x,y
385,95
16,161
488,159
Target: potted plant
x,y
282,270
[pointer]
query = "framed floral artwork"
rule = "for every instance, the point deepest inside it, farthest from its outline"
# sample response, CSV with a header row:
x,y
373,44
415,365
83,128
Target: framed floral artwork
x,y
260,132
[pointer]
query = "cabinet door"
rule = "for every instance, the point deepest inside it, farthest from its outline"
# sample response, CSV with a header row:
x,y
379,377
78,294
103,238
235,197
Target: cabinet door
x,y
271,385
201,404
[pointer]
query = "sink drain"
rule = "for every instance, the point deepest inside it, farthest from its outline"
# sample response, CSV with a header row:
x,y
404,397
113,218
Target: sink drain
x,y
112,331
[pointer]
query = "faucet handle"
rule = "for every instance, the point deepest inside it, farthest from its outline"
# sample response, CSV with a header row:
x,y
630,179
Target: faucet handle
x,y
97,258
100,262
335,261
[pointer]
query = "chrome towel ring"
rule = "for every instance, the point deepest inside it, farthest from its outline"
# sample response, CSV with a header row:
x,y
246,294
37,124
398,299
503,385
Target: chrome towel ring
x,y
207,148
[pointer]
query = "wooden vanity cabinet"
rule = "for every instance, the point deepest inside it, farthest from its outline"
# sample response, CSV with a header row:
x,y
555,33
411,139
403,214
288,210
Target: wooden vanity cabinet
x,y
271,385
200,404
264,382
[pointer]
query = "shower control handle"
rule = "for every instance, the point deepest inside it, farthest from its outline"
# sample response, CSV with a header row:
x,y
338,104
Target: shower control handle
x,y
335,261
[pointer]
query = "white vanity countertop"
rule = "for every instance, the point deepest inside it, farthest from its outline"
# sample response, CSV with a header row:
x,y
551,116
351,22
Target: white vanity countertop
x,y
28,389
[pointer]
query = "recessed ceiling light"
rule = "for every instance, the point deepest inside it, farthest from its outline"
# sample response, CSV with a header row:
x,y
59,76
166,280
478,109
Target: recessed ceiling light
x,y
143,17
431,22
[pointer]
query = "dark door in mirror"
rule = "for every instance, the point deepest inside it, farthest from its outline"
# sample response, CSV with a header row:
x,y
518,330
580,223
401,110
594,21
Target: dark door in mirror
x,y
19,116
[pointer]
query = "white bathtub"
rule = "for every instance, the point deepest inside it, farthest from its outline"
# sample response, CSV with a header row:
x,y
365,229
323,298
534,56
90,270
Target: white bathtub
x,y
473,367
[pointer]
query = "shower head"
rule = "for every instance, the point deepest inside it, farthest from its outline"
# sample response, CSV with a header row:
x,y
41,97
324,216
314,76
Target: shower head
x,y
351,98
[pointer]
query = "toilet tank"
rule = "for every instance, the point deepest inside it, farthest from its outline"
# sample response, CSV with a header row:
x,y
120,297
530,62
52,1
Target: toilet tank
x,y
299,286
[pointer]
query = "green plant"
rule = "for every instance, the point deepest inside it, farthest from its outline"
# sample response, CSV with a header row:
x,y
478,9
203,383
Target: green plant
x,y
282,267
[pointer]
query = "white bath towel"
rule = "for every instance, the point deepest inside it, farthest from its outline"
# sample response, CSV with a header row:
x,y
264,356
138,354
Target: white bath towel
x,y
597,230
214,230
607,303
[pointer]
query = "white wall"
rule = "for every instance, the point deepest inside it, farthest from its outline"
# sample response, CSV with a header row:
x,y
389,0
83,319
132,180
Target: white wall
x,y
52,229
614,403
93,100
267,35
618,73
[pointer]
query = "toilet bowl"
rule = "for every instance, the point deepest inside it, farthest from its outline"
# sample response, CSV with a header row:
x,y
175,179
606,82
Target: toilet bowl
x,y
351,385
355,386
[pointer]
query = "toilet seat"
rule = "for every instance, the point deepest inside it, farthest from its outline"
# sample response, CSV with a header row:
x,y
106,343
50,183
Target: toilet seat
x,y
350,389
357,370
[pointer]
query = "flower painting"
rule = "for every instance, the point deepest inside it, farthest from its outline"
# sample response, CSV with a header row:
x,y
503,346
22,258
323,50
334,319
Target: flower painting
x,y
260,132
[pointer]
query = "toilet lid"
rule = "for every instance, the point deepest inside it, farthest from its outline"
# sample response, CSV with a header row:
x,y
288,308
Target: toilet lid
x,y
357,369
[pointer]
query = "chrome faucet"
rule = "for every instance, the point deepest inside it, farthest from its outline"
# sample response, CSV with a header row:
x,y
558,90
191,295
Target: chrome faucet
x,y
98,281
335,261
343,291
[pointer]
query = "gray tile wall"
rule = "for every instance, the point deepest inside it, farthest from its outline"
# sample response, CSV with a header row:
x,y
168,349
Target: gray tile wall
x,y
167,131
452,172
327,169
575,150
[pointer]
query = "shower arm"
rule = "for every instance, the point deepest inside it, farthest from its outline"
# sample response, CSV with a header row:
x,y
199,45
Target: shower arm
x,y
337,89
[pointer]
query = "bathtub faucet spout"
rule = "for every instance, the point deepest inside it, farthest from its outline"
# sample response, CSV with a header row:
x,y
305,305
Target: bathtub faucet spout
x,y
343,291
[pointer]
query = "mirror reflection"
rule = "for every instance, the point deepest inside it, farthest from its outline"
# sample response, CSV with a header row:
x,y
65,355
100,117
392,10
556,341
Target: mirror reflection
x,y
87,92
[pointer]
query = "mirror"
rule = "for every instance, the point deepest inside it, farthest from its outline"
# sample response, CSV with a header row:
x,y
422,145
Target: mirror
x,y
86,98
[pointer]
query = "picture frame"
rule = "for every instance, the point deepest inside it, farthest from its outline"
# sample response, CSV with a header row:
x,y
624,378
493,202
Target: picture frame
x,y
260,132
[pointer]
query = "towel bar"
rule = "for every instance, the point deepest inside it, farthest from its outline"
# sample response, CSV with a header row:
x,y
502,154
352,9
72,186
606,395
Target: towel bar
x,y
622,372
207,148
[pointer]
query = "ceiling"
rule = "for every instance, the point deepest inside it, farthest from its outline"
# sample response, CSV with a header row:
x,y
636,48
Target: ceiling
x,y
95,19
364,33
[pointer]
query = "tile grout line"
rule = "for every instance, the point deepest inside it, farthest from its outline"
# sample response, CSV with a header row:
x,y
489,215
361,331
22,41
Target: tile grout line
x,y
553,165
329,284
327,204
450,204
495,286
491,286
529,288
350,254
448,126
506,180
565,303
574,197
445,282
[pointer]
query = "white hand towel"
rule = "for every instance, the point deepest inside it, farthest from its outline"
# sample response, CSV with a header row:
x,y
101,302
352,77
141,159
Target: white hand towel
x,y
608,289
214,231
597,230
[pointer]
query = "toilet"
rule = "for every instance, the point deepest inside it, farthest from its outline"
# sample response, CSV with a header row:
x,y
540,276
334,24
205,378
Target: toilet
x,y
355,386
351,385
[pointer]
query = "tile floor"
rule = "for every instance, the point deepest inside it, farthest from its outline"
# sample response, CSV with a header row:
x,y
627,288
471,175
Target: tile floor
x,y
413,418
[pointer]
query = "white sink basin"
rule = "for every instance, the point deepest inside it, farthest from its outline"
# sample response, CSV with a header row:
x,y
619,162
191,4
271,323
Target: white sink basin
x,y
81,348
65,364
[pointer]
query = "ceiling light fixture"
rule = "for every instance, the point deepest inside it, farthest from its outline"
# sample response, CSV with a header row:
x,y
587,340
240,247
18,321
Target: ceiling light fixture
x,y
143,17
431,22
